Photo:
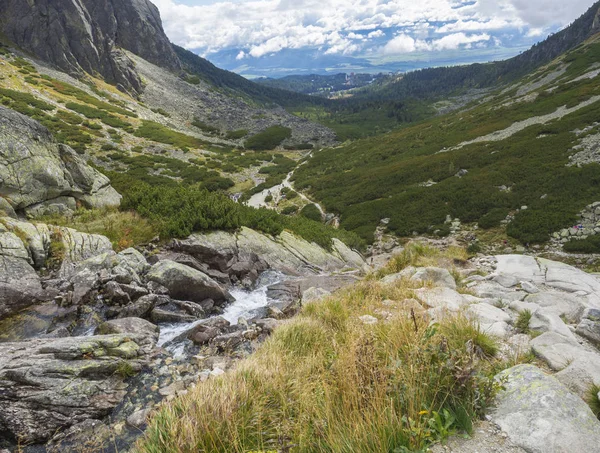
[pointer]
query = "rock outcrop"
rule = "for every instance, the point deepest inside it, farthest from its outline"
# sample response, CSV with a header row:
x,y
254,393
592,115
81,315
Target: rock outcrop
x,y
246,253
185,283
38,176
49,385
20,286
89,35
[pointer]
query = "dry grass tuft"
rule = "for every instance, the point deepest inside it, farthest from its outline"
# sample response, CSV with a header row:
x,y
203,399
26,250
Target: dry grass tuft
x,y
327,382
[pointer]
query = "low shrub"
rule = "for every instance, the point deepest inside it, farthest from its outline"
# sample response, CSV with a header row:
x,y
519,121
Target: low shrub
x,y
268,139
162,134
178,210
236,135
289,210
312,212
493,218
588,245
207,128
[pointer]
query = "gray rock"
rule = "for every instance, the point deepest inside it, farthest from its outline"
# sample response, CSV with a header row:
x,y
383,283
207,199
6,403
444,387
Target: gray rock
x,y
97,31
204,332
160,316
557,350
247,250
88,432
404,274
581,373
140,308
590,330
139,418
185,283
133,259
20,286
133,291
540,415
229,341
568,278
51,384
314,294
368,319
441,298
115,295
34,169
529,287
543,320
268,324
438,276
130,326
522,267
493,290
172,389
506,280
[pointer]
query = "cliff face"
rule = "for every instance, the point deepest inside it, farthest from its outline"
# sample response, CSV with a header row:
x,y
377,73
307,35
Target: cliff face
x,y
89,35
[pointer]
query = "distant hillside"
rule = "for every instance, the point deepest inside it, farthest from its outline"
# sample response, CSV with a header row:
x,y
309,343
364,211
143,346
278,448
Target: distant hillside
x,y
322,85
436,82
534,144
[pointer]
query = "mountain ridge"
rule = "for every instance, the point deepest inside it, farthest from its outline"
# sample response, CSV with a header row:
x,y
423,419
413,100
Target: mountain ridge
x,y
88,35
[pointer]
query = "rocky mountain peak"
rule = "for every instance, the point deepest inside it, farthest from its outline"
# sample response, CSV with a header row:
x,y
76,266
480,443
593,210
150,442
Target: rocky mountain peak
x,y
90,36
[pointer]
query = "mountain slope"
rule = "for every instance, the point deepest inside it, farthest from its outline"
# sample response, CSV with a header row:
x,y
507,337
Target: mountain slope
x,y
89,35
481,164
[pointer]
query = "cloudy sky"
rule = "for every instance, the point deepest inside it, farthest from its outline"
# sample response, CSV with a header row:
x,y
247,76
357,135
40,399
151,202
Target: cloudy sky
x,y
296,34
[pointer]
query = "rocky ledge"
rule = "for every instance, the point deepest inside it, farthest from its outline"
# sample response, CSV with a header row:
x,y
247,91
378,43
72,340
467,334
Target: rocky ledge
x,y
38,176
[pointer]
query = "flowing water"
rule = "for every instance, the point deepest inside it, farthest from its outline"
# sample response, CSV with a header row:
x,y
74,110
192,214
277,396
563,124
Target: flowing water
x,y
245,302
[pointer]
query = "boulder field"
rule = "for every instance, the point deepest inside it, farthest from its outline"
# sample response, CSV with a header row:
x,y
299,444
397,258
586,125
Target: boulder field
x,y
538,410
80,330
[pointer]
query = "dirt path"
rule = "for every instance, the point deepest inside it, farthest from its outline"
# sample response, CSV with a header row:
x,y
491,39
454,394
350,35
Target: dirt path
x,y
258,200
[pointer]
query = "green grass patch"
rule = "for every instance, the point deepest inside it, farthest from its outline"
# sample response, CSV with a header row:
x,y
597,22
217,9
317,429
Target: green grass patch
x,y
593,399
523,320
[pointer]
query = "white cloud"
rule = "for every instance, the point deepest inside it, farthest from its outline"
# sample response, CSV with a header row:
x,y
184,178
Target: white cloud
x,y
376,34
262,27
403,43
455,40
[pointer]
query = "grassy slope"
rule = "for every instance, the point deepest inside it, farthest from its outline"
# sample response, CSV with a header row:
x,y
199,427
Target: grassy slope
x,y
327,382
380,177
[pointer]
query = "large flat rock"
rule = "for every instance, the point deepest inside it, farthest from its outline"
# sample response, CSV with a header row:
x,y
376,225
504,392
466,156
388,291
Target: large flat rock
x,y
541,415
286,253
47,385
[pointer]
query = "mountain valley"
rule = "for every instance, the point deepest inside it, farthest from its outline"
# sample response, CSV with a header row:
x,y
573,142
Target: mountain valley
x,y
193,261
